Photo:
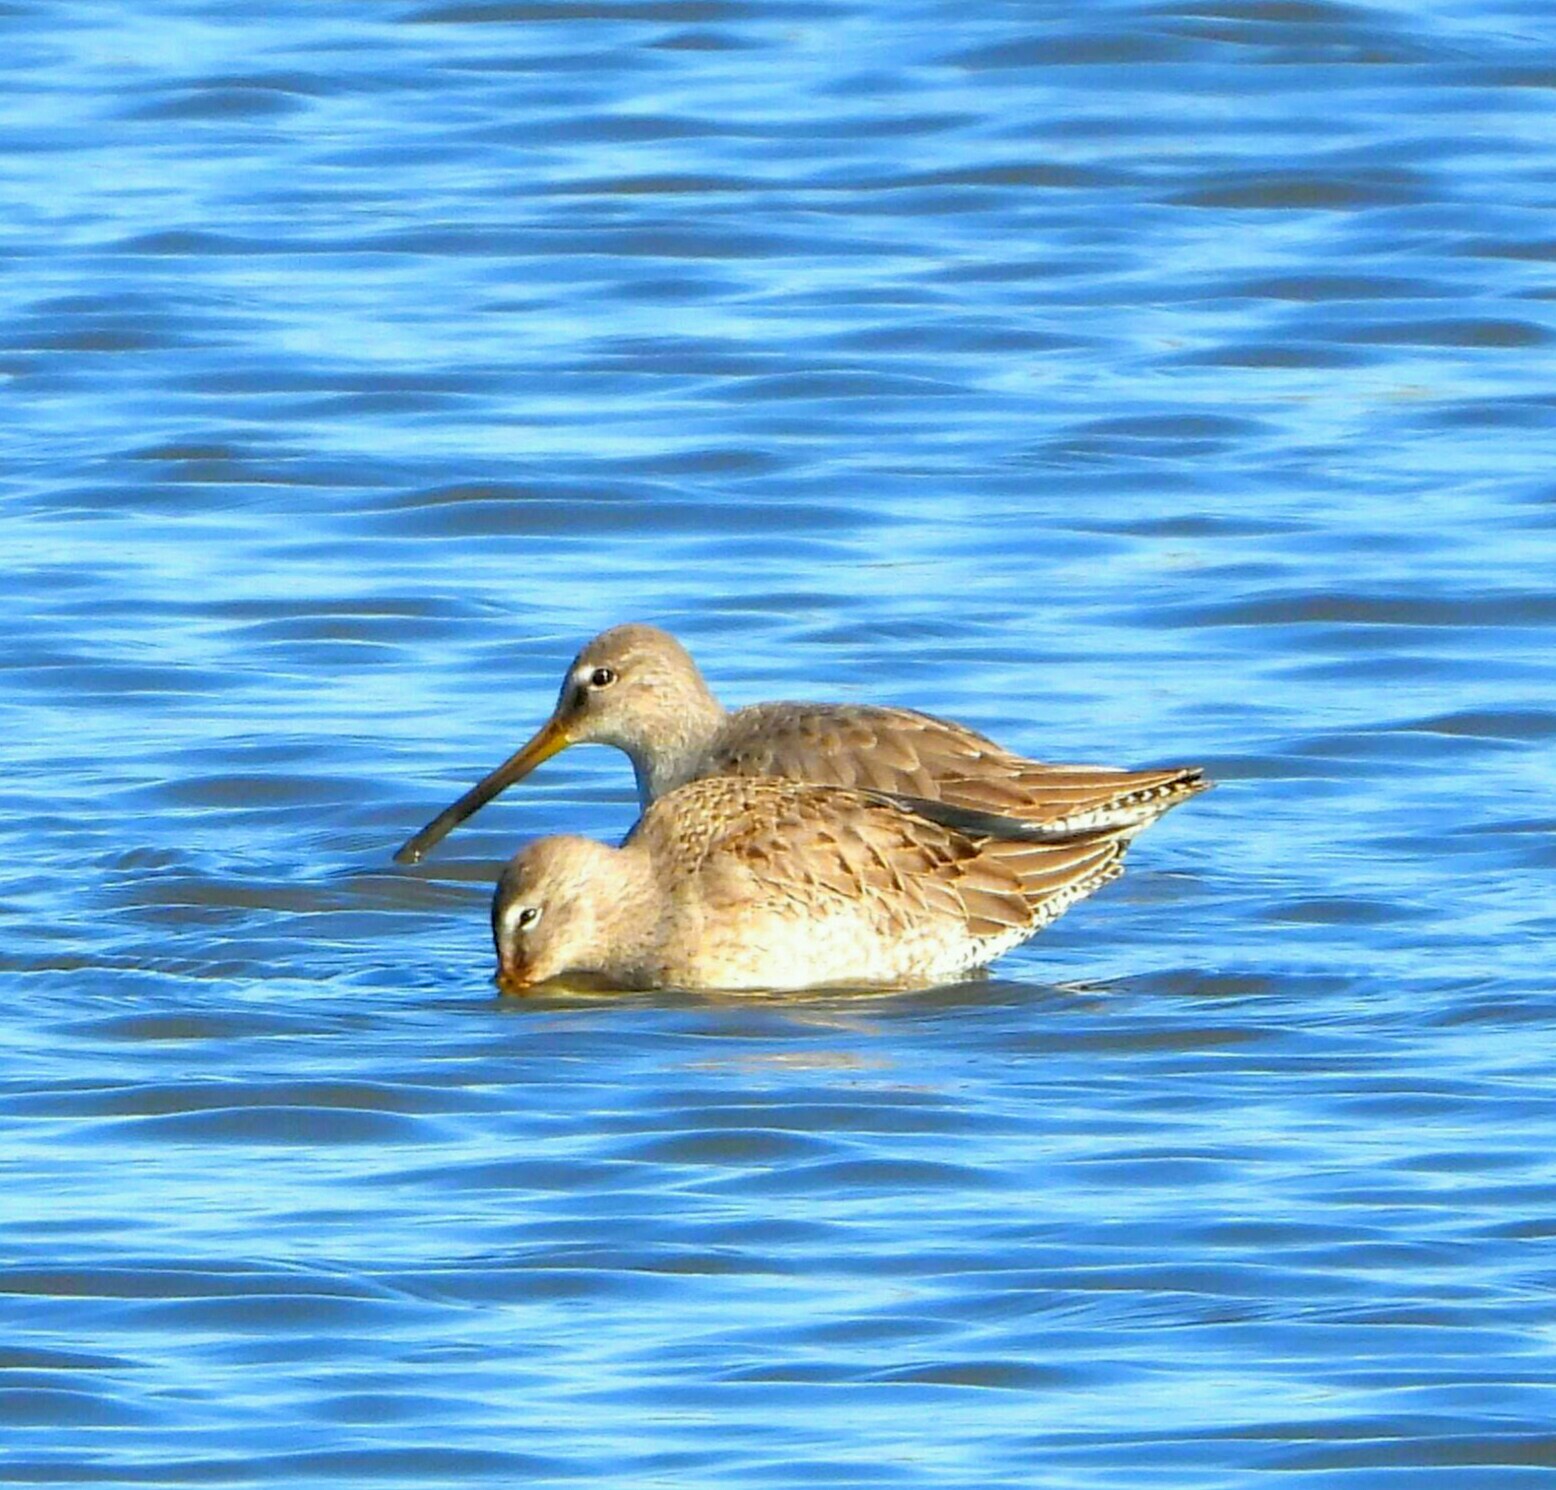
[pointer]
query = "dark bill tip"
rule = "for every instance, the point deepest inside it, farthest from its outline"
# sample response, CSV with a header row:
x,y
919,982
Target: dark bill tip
x,y
548,741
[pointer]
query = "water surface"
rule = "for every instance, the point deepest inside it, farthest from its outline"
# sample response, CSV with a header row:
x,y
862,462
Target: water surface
x,y
1141,383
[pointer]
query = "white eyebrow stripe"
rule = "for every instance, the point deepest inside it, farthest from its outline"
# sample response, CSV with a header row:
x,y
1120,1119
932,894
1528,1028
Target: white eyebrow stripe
x,y
510,917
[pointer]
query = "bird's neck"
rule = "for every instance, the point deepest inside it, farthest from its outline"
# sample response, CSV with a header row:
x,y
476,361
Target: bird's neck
x,y
627,925
679,754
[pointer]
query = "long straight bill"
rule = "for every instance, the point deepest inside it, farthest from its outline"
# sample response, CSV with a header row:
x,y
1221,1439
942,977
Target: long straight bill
x,y
550,739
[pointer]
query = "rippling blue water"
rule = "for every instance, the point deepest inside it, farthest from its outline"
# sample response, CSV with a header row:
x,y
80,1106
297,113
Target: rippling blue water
x,y
1140,382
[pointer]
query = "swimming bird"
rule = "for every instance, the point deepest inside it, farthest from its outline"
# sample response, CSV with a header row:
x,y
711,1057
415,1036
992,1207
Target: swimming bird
x,y
637,688
763,883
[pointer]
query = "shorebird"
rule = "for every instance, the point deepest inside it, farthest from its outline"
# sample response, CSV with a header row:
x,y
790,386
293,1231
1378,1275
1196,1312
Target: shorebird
x,y
747,883
637,688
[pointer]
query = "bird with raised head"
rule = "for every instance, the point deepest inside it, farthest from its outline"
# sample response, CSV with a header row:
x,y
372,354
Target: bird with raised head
x,y
637,688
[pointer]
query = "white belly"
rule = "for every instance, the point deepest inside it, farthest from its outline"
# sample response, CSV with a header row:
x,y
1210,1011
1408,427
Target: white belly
x,y
765,950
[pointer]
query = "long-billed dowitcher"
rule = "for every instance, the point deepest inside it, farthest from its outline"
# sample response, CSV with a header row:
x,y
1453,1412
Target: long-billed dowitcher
x,y
635,687
762,883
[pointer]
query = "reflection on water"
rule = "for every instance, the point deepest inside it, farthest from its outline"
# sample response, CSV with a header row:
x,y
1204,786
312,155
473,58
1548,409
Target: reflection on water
x,y
1144,383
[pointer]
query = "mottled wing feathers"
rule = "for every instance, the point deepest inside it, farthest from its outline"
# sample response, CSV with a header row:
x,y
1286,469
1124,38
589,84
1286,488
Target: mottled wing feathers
x,y
1053,876
909,754
788,842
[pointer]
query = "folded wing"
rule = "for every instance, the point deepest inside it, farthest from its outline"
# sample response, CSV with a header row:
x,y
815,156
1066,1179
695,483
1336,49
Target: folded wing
x,y
917,756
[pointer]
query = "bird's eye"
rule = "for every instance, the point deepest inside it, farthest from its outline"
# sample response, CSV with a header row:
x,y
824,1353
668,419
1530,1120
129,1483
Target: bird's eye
x,y
602,677
528,917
